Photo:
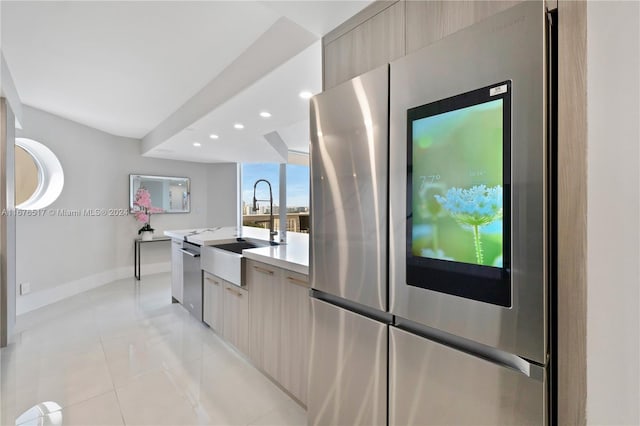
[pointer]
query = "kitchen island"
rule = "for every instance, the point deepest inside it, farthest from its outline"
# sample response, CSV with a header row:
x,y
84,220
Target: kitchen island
x,y
265,315
292,255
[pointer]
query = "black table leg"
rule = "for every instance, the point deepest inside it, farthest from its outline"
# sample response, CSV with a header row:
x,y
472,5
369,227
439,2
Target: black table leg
x,y
136,260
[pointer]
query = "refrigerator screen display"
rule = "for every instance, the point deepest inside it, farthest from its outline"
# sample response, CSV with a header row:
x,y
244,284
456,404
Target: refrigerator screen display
x,y
458,209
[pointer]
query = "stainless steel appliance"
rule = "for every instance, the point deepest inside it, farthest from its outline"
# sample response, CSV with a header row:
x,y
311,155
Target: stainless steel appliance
x,y
348,256
461,319
509,47
192,279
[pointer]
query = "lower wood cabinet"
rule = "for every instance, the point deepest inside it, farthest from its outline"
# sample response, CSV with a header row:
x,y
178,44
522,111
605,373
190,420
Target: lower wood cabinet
x,y
264,284
269,320
295,326
213,303
235,324
279,325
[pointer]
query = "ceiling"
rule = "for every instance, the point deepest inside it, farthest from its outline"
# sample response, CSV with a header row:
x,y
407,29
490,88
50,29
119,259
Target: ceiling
x,y
127,67
276,93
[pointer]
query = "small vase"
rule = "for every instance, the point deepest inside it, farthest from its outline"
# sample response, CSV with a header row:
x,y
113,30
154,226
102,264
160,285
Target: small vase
x,y
146,235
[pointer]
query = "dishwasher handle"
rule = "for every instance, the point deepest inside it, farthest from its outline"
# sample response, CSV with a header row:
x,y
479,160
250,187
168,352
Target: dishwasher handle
x,y
190,253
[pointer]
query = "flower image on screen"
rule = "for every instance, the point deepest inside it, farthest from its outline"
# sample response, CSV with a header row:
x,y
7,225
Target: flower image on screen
x,y
457,185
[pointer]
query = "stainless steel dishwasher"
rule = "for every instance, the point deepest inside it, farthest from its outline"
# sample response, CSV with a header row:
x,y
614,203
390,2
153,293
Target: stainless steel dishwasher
x,y
192,279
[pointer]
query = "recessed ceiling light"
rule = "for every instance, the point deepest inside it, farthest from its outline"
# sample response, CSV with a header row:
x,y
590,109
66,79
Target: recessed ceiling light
x,y
306,95
239,126
265,114
213,136
197,144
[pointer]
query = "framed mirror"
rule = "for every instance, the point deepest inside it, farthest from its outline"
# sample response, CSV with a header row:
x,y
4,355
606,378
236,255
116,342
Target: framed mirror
x,y
168,193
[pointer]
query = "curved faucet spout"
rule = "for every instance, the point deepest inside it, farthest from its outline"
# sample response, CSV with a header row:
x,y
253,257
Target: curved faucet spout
x,y
272,232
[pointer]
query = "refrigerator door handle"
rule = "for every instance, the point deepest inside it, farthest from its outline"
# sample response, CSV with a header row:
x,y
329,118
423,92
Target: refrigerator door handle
x,y
530,369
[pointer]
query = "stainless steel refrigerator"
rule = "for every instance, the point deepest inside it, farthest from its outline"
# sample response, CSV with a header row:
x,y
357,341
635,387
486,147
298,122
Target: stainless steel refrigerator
x,y
348,253
430,248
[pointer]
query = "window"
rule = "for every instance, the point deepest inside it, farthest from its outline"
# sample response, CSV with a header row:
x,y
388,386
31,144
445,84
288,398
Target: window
x,y
297,198
297,194
251,173
39,175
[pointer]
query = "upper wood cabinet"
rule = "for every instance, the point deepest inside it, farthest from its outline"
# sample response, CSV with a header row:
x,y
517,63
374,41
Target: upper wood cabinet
x,y
375,42
429,21
380,34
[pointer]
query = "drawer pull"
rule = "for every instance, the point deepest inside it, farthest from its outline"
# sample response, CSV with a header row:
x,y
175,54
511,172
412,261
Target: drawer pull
x,y
237,293
263,270
213,281
298,281
190,253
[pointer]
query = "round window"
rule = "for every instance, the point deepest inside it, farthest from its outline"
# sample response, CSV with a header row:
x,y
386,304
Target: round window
x,y
39,175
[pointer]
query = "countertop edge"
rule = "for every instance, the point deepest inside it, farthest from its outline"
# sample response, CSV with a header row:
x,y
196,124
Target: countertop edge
x,y
290,266
173,235
206,237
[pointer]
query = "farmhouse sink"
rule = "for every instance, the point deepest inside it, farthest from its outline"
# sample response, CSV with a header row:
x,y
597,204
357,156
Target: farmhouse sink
x,y
226,260
238,246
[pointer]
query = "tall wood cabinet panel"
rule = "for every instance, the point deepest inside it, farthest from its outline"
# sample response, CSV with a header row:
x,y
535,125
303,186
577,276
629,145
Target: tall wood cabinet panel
x,y
264,284
295,328
213,303
429,21
375,42
236,316
572,213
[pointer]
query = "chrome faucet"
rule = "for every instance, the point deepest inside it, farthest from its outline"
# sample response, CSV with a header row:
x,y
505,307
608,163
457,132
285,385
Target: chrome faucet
x,y
272,233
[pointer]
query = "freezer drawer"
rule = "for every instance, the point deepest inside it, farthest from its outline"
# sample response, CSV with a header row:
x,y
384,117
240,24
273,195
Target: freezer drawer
x,y
349,156
348,368
432,384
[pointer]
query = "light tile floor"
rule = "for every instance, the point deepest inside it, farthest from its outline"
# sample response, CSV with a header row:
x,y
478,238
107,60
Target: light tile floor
x,y
123,354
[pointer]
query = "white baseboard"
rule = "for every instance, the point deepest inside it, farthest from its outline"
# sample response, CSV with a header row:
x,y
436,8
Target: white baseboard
x,y
38,299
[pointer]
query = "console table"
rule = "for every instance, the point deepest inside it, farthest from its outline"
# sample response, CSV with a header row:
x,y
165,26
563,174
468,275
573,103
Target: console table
x,y
137,246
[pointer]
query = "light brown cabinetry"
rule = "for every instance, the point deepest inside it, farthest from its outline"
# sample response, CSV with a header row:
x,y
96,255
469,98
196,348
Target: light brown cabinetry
x,y
295,325
375,42
213,303
235,324
264,283
279,325
380,34
429,21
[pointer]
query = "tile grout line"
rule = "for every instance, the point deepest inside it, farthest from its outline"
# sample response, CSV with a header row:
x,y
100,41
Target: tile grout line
x,y
175,343
113,384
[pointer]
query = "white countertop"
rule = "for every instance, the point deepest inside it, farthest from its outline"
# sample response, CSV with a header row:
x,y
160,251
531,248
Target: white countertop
x,y
205,236
294,255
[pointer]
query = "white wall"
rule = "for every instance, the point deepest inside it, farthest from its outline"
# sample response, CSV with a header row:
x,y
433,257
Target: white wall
x,y
60,256
8,89
613,300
